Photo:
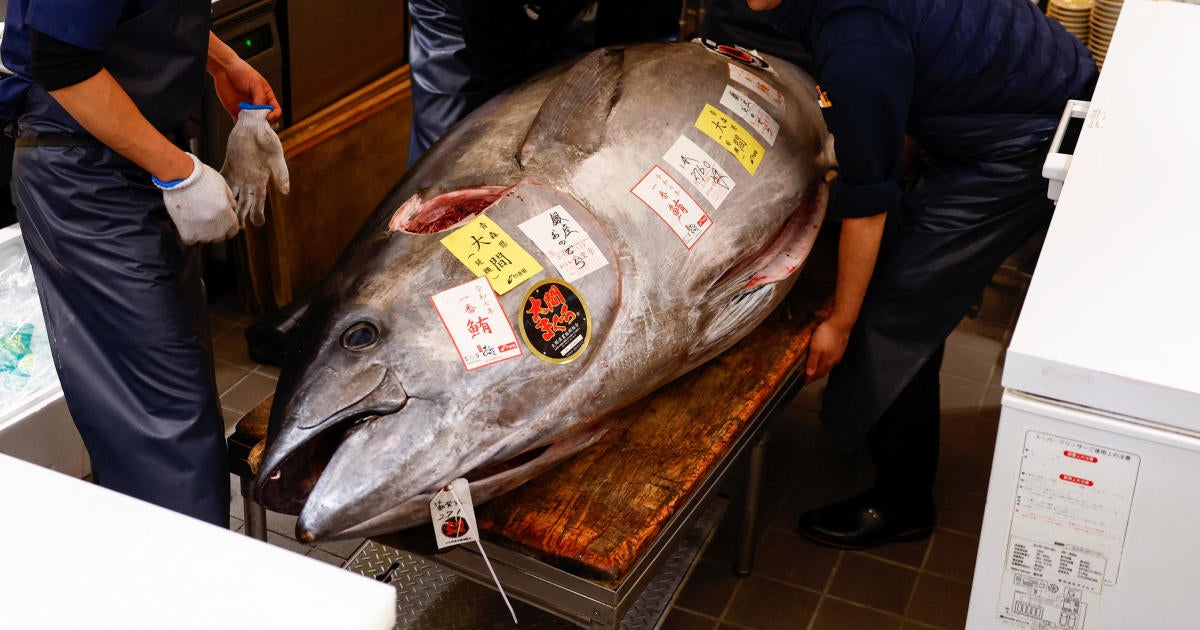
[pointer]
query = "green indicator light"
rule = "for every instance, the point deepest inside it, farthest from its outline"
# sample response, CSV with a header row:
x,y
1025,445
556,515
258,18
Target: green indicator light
x,y
249,43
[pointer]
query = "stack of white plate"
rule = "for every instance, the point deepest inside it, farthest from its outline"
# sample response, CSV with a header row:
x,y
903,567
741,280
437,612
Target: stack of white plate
x,y
1073,15
1102,22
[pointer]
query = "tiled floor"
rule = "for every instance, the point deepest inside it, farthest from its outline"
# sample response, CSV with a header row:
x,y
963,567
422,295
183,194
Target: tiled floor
x,y
795,584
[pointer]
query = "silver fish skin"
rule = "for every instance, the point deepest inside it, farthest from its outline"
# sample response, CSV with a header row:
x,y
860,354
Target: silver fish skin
x,y
376,411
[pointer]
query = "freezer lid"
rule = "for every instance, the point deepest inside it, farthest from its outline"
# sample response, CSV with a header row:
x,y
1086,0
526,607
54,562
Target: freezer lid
x,y
1111,317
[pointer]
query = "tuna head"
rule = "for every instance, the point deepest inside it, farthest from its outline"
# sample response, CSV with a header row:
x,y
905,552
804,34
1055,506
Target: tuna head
x,y
378,412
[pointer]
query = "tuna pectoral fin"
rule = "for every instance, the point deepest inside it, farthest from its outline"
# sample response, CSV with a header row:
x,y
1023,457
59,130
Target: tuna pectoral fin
x,y
747,293
574,114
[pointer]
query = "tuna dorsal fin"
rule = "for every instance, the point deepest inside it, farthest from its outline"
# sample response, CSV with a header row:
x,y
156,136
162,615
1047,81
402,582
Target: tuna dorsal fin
x,y
573,116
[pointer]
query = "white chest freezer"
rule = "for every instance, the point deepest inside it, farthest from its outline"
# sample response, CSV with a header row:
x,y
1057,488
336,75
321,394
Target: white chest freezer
x,y
1093,509
34,422
81,556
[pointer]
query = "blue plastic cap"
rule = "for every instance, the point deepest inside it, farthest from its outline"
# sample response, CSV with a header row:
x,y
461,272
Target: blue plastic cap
x,y
245,105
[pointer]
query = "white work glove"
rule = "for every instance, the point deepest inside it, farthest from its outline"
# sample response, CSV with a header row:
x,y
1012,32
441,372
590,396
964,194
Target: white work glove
x,y
201,205
253,156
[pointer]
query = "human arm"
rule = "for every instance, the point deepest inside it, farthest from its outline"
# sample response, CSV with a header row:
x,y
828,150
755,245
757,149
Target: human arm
x,y
858,248
102,107
196,197
237,81
865,63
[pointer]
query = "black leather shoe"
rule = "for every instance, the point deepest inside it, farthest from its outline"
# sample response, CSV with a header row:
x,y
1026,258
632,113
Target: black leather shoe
x,y
868,520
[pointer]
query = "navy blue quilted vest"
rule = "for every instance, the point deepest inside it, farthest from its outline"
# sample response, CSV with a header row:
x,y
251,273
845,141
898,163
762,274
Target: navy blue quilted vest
x,y
972,56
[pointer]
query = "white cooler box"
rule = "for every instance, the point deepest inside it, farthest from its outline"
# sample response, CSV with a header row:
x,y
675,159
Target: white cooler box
x,y
34,422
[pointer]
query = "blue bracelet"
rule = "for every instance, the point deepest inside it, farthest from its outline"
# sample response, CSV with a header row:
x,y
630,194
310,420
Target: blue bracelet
x,y
171,184
245,105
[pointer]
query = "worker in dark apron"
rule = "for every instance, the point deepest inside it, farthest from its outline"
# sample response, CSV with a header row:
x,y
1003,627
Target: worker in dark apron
x,y
107,206
980,87
464,52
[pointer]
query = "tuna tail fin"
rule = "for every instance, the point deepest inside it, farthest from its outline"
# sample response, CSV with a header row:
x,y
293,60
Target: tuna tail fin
x,y
574,114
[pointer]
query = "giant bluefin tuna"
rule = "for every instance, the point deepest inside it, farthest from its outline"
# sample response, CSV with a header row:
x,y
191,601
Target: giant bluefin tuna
x,y
647,206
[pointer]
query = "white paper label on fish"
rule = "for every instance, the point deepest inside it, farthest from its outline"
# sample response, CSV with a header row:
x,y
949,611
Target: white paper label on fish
x,y
699,168
477,324
758,119
564,242
673,205
758,85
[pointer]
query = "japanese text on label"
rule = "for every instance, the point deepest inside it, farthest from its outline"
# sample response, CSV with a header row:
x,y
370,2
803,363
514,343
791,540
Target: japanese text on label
x,y
673,205
699,168
568,247
488,251
477,324
1076,493
755,116
453,515
758,86
732,136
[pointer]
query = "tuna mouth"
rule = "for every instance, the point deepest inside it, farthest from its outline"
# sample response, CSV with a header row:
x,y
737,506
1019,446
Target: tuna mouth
x,y
313,431
421,216
286,486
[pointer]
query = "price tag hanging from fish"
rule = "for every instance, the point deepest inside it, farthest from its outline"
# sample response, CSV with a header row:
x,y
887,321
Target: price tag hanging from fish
x,y
453,515
555,322
489,251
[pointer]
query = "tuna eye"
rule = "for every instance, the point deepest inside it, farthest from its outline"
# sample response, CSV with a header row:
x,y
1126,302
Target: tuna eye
x,y
360,336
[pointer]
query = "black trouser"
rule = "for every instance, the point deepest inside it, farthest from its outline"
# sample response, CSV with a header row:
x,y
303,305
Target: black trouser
x,y
904,443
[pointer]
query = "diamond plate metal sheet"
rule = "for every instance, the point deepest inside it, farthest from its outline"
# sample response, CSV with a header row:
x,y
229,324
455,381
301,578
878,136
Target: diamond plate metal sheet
x,y
650,608
432,597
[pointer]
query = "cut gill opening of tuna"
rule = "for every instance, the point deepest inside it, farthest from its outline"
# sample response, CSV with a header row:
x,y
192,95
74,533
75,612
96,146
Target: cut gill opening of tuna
x,y
427,216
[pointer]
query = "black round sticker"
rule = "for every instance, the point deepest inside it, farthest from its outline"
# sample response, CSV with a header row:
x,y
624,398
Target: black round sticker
x,y
736,53
554,321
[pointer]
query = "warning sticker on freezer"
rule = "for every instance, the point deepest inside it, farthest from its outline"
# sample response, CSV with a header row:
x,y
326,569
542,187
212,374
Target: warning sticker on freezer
x,y
1075,493
1069,522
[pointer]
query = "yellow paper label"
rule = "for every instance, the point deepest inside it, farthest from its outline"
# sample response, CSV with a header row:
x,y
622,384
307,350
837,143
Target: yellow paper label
x,y
732,136
488,251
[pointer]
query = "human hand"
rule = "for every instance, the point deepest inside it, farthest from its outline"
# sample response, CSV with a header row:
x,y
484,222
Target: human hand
x,y
253,157
237,82
825,350
200,205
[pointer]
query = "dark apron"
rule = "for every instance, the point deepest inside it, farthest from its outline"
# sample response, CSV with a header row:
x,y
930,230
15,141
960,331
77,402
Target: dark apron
x,y
123,299
978,196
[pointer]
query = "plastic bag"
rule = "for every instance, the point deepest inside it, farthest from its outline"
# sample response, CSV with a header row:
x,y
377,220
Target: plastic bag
x,y
25,363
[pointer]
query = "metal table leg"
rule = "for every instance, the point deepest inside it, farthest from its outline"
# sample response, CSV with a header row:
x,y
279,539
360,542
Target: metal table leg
x,y
256,514
744,563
